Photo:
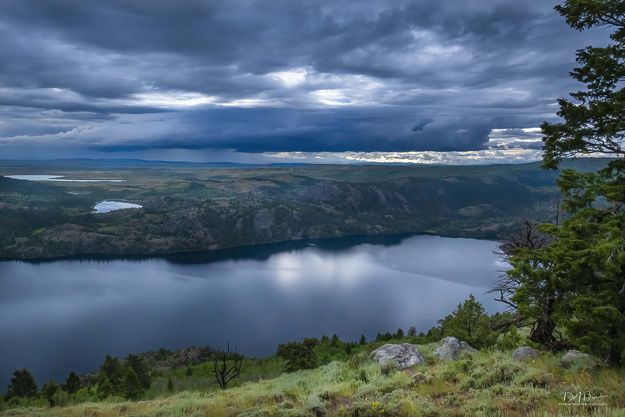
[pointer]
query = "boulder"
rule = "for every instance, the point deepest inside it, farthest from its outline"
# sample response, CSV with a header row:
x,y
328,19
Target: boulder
x,y
403,355
573,357
453,348
524,353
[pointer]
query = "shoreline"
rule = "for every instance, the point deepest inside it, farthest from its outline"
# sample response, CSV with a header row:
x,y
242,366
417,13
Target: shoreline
x,y
239,250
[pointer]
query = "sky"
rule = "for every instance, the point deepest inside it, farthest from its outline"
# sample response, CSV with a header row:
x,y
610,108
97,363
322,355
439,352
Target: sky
x,y
338,81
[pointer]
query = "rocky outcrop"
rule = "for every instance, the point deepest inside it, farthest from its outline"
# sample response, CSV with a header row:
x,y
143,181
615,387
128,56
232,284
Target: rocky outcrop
x,y
524,353
402,355
453,348
164,360
575,357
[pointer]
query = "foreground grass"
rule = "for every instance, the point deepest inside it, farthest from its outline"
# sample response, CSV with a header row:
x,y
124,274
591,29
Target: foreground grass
x,y
488,384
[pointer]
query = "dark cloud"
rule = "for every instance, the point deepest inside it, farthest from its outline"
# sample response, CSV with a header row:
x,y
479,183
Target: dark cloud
x,y
280,75
361,129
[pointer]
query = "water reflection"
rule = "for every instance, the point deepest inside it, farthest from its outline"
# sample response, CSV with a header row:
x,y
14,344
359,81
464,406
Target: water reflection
x,y
66,315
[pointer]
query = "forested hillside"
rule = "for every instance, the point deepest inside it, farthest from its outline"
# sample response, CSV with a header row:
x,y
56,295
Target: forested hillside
x,y
191,207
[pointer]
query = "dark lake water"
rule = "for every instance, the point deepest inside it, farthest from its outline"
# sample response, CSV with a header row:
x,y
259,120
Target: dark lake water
x,y
68,314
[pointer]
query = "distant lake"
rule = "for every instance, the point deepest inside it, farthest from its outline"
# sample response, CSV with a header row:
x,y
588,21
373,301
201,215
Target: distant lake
x,y
108,206
58,178
68,314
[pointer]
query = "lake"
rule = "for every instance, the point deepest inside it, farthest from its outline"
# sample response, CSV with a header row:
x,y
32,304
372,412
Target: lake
x,y
67,315
58,178
108,206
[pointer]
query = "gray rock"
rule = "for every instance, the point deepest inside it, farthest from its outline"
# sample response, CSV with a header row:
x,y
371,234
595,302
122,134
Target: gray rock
x,y
453,348
524,353
403,355
573,357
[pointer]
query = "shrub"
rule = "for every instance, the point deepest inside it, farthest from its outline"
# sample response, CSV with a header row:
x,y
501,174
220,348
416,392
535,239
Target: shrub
x,y
509,340
469,322
298,355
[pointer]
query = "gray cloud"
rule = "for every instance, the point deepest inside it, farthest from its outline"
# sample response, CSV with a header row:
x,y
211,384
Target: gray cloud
x,y
274,76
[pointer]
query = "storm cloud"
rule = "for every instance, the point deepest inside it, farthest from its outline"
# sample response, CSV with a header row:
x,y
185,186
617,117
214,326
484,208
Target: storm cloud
x,y
280,75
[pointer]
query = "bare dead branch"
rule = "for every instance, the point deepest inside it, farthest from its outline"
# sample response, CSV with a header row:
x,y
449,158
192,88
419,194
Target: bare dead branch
x,y
227,366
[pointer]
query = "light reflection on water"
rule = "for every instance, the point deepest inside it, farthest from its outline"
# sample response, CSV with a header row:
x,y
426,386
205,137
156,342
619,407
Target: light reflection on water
x,y
67,315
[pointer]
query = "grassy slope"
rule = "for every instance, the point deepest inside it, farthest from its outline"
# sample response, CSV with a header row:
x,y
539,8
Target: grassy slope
x,y
489,384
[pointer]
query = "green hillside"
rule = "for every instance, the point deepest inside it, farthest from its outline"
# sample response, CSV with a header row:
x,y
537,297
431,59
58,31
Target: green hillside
x,y
192,207
490,383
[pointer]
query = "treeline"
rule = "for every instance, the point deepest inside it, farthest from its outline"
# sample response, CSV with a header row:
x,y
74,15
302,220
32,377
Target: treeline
x,y
131,377
469,322
127,379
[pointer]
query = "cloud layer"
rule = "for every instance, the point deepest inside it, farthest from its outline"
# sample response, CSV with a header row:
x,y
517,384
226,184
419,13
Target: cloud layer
x,y
278,76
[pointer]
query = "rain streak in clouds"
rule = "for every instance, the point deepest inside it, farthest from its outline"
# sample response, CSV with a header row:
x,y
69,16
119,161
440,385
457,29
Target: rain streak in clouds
x,y
458,81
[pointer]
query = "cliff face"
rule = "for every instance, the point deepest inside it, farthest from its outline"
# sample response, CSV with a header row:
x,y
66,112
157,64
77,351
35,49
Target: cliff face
x,y
190,210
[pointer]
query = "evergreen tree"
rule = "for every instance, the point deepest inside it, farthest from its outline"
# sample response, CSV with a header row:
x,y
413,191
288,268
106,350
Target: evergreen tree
x,y
298,355
104,387
22,384
434,334
412,331
72,383
594,121
335,341
133,388
399,334
469,322
363,340
143,372
48,390
113,370
579,274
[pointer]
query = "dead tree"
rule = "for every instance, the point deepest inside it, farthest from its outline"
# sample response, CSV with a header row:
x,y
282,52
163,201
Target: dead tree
x,y
543,328
227,366
527,237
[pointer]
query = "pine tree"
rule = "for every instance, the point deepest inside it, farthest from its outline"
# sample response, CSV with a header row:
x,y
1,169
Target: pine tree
x,y
363,340
104,387
579,275
399,334
72,383
594,121
22,384
469,322
141,369
412,331
133,388
113,370
48,390
298,355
